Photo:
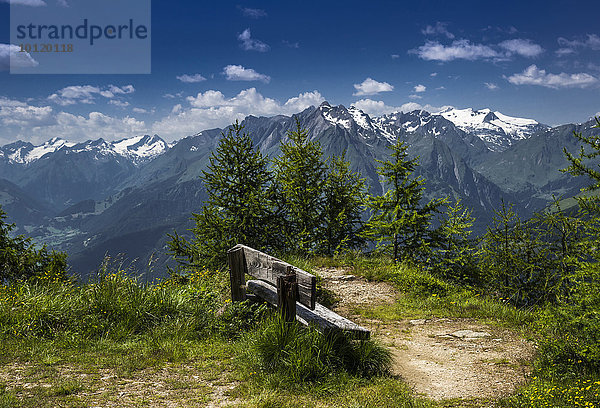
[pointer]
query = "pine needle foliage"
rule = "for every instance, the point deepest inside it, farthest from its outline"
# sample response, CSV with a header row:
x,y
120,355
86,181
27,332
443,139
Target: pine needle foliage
x,y
300,176
400,224
579,166
21,260
344,194
239,208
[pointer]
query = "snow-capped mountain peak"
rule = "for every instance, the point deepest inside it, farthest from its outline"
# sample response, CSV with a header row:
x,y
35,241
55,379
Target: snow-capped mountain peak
x,y
141,147
336,115
137,149
354,120
362,119
497,130
25,153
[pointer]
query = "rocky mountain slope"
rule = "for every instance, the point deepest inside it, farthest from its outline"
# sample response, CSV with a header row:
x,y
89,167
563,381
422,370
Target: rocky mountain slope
x,y
101,197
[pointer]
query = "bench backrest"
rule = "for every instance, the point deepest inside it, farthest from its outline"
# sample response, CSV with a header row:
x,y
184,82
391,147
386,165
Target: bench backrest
x,y
267,268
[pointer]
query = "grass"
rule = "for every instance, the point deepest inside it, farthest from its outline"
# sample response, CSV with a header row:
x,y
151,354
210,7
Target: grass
x,y
425,296
116,341
297,354
547,393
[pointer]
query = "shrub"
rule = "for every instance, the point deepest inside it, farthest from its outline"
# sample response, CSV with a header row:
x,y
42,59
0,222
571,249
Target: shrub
x,y
418,281
21,260
571,343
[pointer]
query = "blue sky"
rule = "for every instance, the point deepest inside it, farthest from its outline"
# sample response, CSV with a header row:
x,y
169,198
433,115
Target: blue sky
x,y
214,62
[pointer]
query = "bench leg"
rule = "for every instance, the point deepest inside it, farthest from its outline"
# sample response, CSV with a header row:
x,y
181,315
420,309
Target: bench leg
x,y
237,271
286,296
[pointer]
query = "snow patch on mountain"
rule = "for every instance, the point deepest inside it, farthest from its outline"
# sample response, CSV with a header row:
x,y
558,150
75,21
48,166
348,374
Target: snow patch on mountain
x,y
362,119
137,149
497,130
28,153
141,148
336,115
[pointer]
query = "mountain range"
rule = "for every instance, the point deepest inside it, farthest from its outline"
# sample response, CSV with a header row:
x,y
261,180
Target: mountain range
x,y
99,197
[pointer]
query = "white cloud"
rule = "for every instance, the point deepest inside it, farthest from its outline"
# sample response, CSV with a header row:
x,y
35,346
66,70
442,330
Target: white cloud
x,y
460,49
17,113
190,79
532,75
40,123
291,44
371,87
10,55
491,86
420,88
395,56
32,3
173,96
127,89
591,41
303,101
250,44
415,96
239,73
120,104
525,48
75,94
378,108
95,125
252,13
212,109
439,28
86,94
464,49
139,110
374,108
564,51
433,74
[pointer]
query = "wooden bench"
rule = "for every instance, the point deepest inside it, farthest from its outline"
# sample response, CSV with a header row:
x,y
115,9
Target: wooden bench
x,y
271,273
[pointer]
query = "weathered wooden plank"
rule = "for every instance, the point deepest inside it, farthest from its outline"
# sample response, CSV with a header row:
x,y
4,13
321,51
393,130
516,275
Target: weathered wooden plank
x,y
237,271
324,319
286,296
265,267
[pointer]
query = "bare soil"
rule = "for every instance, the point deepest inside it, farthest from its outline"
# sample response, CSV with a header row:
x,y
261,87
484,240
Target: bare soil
x,y
169,386
440,358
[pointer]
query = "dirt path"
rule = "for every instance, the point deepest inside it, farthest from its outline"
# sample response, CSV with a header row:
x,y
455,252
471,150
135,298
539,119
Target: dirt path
x,y
440,358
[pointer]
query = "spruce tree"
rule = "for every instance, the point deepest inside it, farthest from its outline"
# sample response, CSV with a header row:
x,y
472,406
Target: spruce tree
x,y
300,176
343,202
239,208
399,224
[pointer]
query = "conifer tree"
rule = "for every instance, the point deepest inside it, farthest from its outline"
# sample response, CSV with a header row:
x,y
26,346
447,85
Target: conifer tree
x,y
454,258
580,167
399,224
300,176
343,202
239,208
21,260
